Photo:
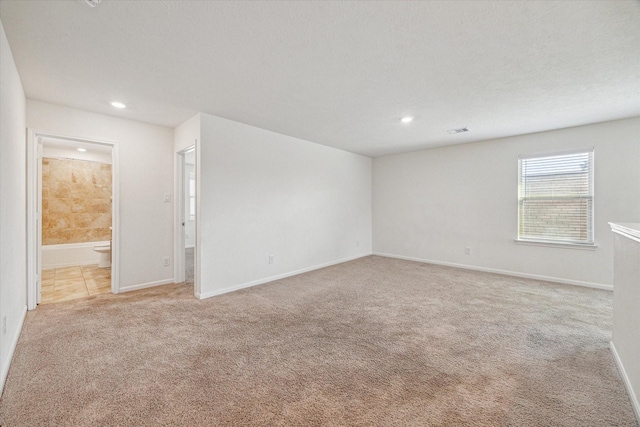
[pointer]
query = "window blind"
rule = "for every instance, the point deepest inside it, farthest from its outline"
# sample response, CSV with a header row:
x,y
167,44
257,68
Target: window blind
x,y
555,198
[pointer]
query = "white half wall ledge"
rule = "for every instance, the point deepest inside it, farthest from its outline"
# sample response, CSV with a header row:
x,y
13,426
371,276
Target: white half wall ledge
x,y
628,230
145,285
602,286
277,277
635,403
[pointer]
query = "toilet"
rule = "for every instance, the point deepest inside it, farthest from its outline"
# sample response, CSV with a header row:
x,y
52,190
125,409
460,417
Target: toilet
x,y
105,255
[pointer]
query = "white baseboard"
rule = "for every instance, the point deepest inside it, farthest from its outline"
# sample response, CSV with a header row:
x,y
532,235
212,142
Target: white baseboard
x,y
210,294
632,395
504,272
12,349
145,285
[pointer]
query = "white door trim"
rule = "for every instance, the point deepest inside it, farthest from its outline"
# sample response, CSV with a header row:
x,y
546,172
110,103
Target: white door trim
x,y
34,193
33,196
178,214
197,250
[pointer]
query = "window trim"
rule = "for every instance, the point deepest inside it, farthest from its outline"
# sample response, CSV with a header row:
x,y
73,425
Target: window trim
x,y
553,244
559,243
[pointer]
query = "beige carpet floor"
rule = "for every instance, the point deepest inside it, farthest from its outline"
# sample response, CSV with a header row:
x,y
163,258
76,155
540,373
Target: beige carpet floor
x,y
372,342
189,266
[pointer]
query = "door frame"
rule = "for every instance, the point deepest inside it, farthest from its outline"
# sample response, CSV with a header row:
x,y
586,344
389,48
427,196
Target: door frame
x,y
34,213
179,229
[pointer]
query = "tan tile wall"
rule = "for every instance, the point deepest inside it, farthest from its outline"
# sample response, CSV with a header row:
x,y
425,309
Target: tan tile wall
x,y
76,201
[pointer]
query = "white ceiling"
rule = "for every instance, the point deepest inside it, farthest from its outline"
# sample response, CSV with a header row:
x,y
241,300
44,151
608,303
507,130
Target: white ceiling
x,y
338,73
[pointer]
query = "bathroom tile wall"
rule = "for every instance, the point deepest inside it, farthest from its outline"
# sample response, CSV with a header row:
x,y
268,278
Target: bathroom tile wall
x,y
76,201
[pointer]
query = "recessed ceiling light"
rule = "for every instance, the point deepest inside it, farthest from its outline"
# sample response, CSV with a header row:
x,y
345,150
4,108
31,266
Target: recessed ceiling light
x,y
406,119
93,3
82,150
118,104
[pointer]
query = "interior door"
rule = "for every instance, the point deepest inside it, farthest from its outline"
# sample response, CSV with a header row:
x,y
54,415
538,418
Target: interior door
x,y
38,265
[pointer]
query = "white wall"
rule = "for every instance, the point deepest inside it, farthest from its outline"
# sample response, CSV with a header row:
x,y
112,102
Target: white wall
x,y
264,193
13,267
146,162
187,134
432,204
625,343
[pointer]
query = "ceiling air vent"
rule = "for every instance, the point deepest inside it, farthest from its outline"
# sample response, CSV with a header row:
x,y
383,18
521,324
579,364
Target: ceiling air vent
x,y
459,130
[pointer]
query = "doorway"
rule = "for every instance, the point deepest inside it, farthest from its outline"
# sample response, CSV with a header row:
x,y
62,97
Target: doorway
x,y
73,218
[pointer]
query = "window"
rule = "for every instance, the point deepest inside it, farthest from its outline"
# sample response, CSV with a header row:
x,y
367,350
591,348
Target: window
x,y
555,198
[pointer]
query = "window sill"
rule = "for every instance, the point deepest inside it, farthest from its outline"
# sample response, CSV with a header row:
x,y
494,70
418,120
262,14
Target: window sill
x,y
557,245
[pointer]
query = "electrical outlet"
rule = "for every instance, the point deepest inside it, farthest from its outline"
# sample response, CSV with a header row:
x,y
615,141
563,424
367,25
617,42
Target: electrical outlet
x,y
271,259
166,261
467,251
167,198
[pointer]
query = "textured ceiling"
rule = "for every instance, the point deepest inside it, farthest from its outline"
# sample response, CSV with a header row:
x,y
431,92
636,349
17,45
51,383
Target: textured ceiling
x,y
338,73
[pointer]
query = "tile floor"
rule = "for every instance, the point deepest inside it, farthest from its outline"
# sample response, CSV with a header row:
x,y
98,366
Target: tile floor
x,y
67,283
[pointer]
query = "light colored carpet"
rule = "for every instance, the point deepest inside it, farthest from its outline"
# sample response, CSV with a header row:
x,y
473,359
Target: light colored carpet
x,y
188,266
372,342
